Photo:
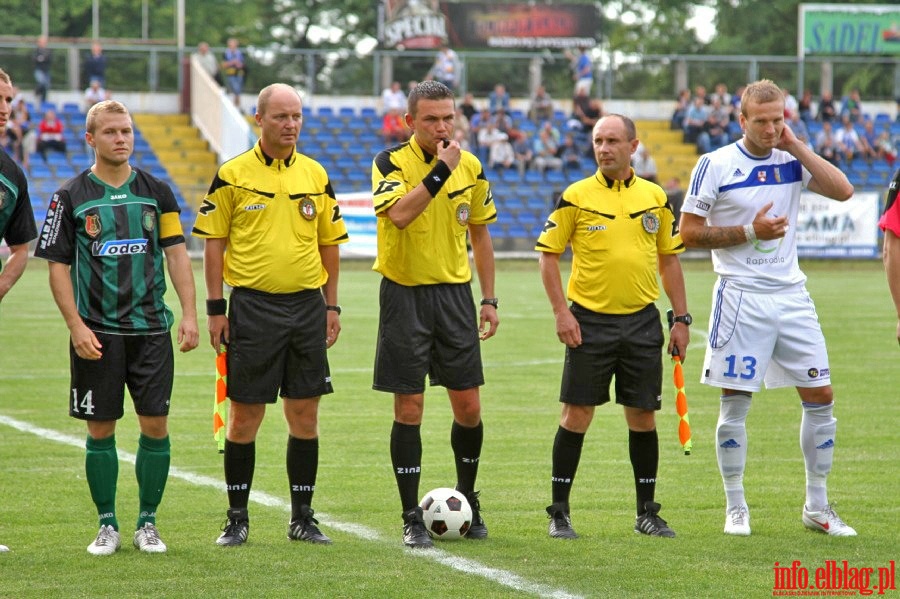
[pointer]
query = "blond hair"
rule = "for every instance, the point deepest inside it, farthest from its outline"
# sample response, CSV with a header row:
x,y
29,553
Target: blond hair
x,y
104,107
761,92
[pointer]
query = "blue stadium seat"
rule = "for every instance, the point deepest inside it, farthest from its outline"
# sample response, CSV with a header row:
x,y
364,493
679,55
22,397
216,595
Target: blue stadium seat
x,y
517,231
857,179
533,176
325,111
347,111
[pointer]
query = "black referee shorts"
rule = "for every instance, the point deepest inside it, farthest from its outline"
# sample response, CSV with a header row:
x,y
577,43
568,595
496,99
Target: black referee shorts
x,y
277,341
628,347
427,329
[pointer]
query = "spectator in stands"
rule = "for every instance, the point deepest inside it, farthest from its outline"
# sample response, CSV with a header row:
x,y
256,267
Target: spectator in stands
x,y
700,92
791,105
799,128
95,65
502,120
804,106
826,146
682,103
393,127
695,120
587,114
478,122
235,68
546,145
523,151
541,108
50,135
736,104
498,98
853,107
885,148
94,94
209,63
446,68
715,129
570,154
462,138
869,141
847,140
643,163
42,58
827,109
468,106
393,97
462,128
721,92
582,70
23,133
499,150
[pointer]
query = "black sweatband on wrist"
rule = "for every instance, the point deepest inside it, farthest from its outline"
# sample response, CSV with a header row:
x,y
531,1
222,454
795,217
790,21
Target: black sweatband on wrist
x,y
435,179
216,307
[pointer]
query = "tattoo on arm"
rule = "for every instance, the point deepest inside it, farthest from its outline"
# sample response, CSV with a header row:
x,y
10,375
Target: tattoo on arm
x,y
711,238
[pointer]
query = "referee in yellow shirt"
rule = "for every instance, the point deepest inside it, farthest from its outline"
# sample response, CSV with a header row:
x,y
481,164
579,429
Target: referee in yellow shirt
x,y
622,232
428,194
272,227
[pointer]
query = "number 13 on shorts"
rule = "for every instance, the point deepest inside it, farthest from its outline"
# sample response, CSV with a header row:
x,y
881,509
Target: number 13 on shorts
x,y
743,368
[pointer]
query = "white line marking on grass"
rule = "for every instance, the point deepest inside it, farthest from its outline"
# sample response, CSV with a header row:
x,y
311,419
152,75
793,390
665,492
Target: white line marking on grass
x,y
462,564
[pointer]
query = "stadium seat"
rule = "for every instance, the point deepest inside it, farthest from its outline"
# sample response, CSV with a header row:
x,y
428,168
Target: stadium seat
x,y
857,179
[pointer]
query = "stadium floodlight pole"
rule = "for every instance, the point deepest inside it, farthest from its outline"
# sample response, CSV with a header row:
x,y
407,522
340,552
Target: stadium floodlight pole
x,y
681,405
219,407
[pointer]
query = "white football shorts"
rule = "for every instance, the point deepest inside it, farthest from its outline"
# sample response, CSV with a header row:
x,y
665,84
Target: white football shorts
x,y
771,338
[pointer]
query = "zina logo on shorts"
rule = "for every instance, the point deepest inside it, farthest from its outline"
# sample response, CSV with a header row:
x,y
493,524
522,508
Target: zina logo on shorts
x,y
119,247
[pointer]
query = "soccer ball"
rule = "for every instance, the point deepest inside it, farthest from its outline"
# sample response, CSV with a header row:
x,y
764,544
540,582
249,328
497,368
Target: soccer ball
x,y
447,513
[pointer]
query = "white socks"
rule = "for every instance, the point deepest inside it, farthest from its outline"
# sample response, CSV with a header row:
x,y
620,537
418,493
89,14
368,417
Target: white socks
x,y
817,429
731,445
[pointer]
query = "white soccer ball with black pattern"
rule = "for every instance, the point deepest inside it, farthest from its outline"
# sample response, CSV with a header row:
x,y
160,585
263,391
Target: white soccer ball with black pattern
x,y
447,514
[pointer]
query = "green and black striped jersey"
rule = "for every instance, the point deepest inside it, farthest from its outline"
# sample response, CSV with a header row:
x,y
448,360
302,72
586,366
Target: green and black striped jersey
x,y
113,240
16,217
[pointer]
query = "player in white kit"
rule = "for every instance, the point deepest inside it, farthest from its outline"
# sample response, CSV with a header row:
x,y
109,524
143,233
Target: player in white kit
x,y
742,203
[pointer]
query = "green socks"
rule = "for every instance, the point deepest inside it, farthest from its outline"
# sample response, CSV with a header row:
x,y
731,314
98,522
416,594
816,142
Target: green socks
x,y
152,469
101,465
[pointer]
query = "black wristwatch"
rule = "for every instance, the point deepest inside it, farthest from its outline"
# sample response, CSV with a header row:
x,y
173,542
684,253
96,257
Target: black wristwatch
x,y
490,301
334,309
685,319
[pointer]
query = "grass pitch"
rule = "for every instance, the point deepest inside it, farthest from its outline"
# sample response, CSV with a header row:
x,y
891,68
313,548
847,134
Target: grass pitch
x,y
47,517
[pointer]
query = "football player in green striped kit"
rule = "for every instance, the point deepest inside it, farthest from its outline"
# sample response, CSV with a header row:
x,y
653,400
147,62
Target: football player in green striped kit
x,y
16,217
106,232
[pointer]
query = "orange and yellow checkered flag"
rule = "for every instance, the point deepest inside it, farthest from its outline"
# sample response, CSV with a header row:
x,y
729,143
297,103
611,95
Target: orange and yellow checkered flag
x,y
681,406
220,409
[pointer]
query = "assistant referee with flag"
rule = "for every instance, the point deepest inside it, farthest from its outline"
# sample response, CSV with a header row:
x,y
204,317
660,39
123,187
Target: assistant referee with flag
x,y
622,232
272,227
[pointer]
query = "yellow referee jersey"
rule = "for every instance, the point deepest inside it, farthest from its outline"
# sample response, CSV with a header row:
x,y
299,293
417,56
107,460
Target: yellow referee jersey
x,y
617,229
275,214
432,248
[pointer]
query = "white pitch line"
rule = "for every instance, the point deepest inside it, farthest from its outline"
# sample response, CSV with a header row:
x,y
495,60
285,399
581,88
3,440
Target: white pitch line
x,y
464,565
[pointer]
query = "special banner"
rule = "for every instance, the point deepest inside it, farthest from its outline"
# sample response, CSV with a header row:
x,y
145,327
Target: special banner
x,y
426,24
850,29
491,25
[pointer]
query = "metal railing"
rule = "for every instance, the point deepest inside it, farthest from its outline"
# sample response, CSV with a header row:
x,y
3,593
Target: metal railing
x,y
156,68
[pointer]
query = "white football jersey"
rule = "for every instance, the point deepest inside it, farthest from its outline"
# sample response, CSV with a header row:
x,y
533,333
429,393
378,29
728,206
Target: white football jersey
x,y
728,187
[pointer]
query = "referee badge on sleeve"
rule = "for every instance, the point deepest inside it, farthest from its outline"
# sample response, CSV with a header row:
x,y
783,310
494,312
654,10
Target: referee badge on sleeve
x,y
307,208
650,222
